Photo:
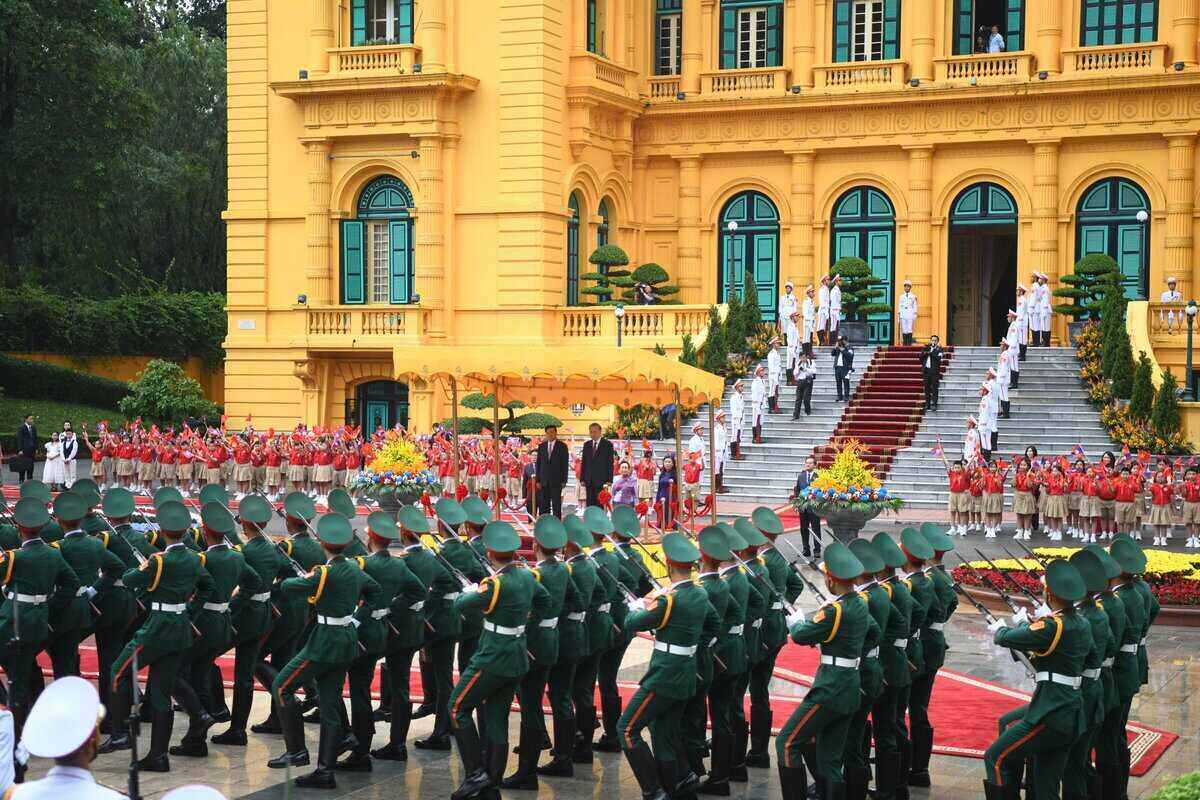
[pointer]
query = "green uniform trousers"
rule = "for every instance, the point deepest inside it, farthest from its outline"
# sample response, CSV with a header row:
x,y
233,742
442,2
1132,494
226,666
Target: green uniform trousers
x,y
858,745
164,668
759,678
329,678
1079,772
921,730
820,732
1020,741
438,657
559,682
1112,746
661,714
533,722
606,678
692,727
494,693
583,694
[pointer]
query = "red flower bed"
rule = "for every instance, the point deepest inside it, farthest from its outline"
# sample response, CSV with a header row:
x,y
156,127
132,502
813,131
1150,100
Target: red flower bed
x,y
1170,591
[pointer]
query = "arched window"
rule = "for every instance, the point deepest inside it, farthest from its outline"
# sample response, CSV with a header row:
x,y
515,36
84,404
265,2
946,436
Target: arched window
x,y
573,252
381,22
751,33
749,246
866,30
973,21
1117,22
378,404
377,245
602,228
864,226
1107,222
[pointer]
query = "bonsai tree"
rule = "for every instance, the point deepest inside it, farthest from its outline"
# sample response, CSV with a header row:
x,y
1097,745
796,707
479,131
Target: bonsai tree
x,y
1165,419
652,274
716,349
609,261
860,293
510,421
1141,399
1095,276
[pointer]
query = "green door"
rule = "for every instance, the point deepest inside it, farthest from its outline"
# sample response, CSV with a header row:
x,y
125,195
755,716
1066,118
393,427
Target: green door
x,y
377,415
1107,222
753,246
879,257
864,227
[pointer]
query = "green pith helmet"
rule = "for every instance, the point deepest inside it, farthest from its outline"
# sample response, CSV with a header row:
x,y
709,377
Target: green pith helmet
x,y
916,545
766,521
625,522
255,508
413,520
1111,568
750,532
1129,555
37,490
212,493
298,505
217,518
866,552
1090,569
888,550
679,549
737,542
166,493
499,537
714,543
339,500
70,506
118,503
477,511
449,511
577,532
550,532
841,563
173,517
31,513
88,482
937,538
597,521
381,524
1064,581
89,496
333,529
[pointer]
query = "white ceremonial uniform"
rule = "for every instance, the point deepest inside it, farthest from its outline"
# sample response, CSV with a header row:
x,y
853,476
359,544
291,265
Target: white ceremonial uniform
x,y
65,782
699,444
758,400
1022,320
1170,297
993,397
7,744
793,342
987,422
835,308
774,370
737,413
822,307
970,448
1043,309
787,307
1004,374
907,308
721,444
809,315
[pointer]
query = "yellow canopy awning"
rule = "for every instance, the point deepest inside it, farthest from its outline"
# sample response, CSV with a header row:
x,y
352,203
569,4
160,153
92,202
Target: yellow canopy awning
x,y
559,375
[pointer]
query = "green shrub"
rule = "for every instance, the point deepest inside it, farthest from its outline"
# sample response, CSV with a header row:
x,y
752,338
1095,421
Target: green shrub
x,y
751,313
861,292
654,275
1185,787
164,394
689,355
38,380
1141,399
716,350
510,420
1165,418
1094,277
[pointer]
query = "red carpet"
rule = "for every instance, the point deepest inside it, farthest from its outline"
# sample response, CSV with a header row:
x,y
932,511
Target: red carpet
x,y
965,711
886,409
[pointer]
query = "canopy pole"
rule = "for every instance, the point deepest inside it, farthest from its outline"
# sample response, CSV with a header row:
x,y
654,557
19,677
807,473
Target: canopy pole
x,y
454,422
712,461
678,453
496,444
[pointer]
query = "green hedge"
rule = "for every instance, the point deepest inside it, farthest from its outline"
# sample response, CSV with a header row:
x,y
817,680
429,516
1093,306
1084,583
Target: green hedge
x,y
38,380
173,326
1186,787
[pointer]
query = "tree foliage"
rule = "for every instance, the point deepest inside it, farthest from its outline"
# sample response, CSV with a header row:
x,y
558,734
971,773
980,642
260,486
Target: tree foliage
x,y
861,292
166,395
1166,419
610,262
510,420
657,277
1141,399
716,348
1096,275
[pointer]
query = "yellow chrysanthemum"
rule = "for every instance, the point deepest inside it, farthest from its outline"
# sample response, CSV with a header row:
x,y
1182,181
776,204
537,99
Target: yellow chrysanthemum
x,y
398,456
848,471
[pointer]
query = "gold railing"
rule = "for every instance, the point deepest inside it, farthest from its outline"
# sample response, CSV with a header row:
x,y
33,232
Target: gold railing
x,y
641,326
764,81
860,76
1149,57
386,58
589,69
985,68
362,321
663,88
1166,319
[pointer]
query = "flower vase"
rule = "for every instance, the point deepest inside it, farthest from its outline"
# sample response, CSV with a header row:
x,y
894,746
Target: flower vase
x,y
846,523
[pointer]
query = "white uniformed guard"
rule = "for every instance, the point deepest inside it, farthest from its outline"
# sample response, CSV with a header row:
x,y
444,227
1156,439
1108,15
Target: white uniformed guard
x,y
1170,296
906,310
774,374
758,402
809,312
823,311
1003,376
1022,317
792,332
720,445
737,413
835,308
63,725
1014,338
194,792
1043,309
787,307
698,444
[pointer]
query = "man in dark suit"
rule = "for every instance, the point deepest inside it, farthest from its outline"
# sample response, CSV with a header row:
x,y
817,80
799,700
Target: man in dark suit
x,y
843,365
931,371
810,523
597,464
26,449
553,463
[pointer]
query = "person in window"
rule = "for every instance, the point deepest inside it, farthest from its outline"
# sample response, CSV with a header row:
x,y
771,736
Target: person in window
x,y
996,40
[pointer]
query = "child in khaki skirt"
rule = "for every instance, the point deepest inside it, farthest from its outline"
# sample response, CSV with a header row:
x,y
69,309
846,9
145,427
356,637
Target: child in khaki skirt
x,y
1023,503
1162,492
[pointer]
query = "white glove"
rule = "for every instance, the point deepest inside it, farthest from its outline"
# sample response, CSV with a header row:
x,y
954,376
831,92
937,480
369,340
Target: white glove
x,y
470,587
1020,618
794,618
996,625
635,604
90,591
1042,611
355,622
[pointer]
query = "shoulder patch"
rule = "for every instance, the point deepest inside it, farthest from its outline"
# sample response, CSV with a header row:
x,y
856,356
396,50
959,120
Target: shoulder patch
x,y
56,545
1037,626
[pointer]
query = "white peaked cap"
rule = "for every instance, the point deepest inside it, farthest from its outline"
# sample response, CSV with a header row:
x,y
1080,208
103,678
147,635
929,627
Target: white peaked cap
x,y
63,718
194,792
1171,279
972,421
789,283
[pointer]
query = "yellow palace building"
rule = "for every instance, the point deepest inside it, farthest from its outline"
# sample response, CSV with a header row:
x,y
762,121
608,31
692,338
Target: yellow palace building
x,y
436,172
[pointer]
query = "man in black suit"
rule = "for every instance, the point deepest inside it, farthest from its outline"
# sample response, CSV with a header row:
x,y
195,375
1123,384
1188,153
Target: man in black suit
x,y
553,463
810,523
843,365
931,371
26,449
597,464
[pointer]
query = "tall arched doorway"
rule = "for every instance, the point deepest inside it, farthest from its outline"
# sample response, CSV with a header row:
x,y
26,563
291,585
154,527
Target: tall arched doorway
x,y
749,244
1107,222
982,264
864,226
378,404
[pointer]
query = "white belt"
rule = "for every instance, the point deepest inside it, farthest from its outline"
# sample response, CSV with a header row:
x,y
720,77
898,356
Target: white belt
x,y
1108,662
777,605
1143,641
1129,648
337,622
261,597
417,606
916,637
936,626
675,649
82,591
1092,674
736,630
119,584
501,629
170,608
578,616
1054,677
548,623
451,596
757,623
873,653
604,608
32,599
901,643
380,613
834,661
218,607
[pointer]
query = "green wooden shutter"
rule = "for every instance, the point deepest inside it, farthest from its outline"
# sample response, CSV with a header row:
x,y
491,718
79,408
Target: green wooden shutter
x,y
1129,258
891,29
1014,32
845,244
404,21
841,31
879,258
401,259
1093,239
353,263
766,271
774,35
358,21
728,38
734,265
964,23
591,26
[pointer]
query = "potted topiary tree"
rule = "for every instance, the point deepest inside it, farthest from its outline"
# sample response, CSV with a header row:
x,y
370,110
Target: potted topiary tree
x,y
1095,276
861,297
610,261
655,276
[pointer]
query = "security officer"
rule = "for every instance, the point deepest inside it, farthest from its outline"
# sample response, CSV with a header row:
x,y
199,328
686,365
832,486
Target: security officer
x,y
897,675
820,722
855,761
601,630
1057,645
333,590
400,589
166,581
924,609
677,616
1083,782
251,614
506,597
1127,670
933,644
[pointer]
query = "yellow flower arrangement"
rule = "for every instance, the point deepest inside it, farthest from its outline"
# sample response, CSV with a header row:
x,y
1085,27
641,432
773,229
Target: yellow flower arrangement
x,y
1158,562
398,456
848,471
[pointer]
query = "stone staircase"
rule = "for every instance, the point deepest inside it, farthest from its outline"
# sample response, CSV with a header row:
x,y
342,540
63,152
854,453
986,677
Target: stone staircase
x,y
1049,411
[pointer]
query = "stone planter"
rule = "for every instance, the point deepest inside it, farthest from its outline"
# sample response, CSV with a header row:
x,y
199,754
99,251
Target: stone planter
x,y
390,502
846,523
855,332
1073,331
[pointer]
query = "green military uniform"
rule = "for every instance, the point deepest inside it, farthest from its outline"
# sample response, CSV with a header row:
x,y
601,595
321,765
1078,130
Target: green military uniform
x,y
764,625
334,590
602,632
1080,780
924,610
1104,740
897,672
819,724
1127,669
1058,647
855,760
506,599
677,618
469,558
714,546
933,647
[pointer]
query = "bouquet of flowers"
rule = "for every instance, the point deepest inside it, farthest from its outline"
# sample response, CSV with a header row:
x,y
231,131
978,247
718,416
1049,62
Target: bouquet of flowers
x,y
398,474
848,484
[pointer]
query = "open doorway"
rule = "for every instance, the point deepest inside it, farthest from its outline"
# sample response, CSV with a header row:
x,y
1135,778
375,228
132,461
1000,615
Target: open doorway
x,y
982,265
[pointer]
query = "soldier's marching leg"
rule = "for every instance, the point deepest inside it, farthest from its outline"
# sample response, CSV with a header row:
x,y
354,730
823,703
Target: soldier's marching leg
x,y
283,694
692,731
739,727
584,695
400,665
473,689
1108,752
245,658
922,731
903,742
560,681
120,700
532,688
719,702
1017,744
610,697
495,720
440,654
854,758
887,749
641,709
193,667
761,717
329,679
360,674
428,688
164,669
665,741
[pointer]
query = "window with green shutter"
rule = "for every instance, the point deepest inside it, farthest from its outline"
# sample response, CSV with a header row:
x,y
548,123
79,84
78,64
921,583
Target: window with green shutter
x,y
866,30
973,21
377,246
668,36
1107,222
1105,22
751,34
573,252
353,291
593,39
381,22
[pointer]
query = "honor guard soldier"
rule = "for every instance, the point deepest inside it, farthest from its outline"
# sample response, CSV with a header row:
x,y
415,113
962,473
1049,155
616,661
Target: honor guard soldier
x,y
252,614
506,597
760,627
819,723
333,590
165,581
64,725
1110,738
774,376
340,502
933,644
714,549
677,618
1057,645
229,571
115,602
758,403
915,550
855,759
897,674
906,313
601,630
472,562
1083,781
1127,670
400,590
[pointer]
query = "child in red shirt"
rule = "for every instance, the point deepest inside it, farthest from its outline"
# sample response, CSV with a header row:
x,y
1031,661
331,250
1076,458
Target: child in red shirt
x,y
645,470
1189,488
993,499
1161,495
1055,486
